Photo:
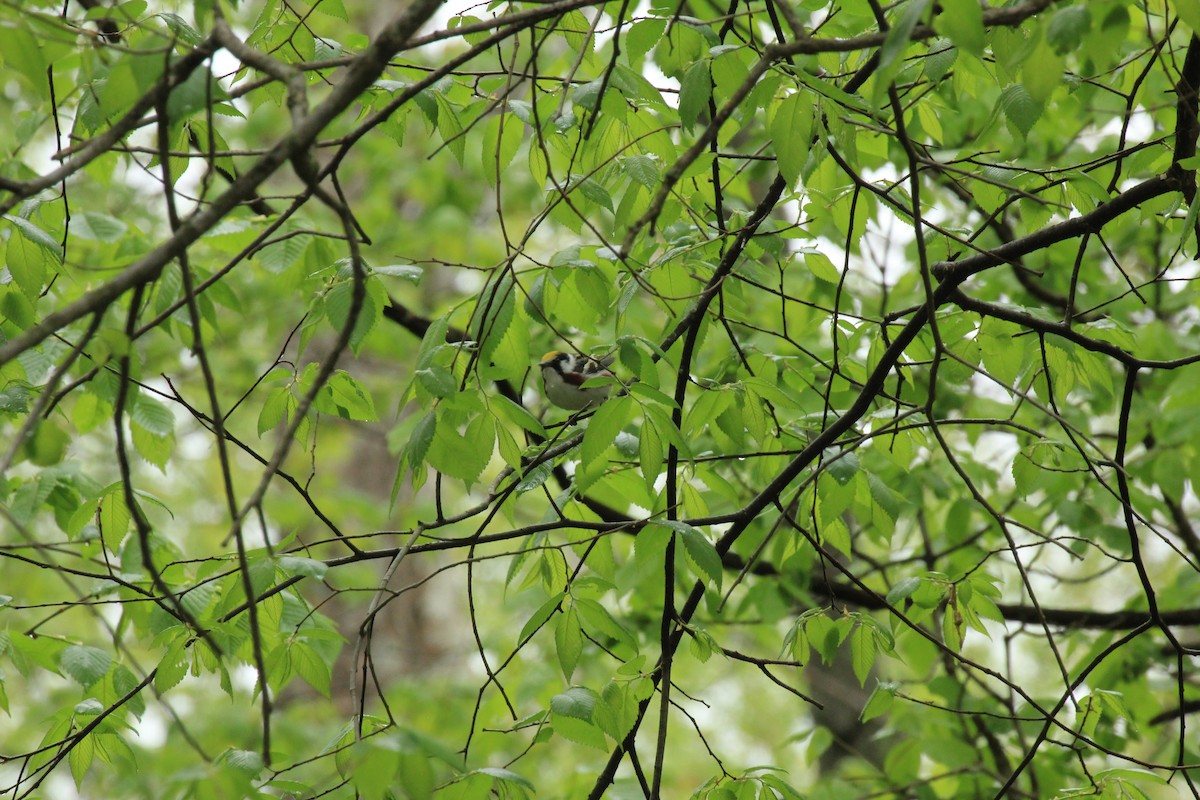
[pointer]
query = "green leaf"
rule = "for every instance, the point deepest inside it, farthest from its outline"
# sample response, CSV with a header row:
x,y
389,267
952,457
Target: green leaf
x,y
821,267
298,565
541,616
1042,73
409,272
422,437
903,590
502,138
309,664
1070,27
568,640
900,34
649,547
339,302
281,254
694,92
1189,12
603,428
577,702
791,131
642,36
155,449
700,553
844,468
277,409
345,397
506,776
650,451
962,22
571,715
642,169
85,664
879,702
463,454
493,314
28,264
24,54
172,667
247,762
1019,107
593,191
941,57
80,759
597,620
97,227
862,652
17,306
114,515
516,414
152,416
450,127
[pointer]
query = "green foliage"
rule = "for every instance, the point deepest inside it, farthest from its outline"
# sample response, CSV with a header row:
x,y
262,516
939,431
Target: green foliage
x,y
894,487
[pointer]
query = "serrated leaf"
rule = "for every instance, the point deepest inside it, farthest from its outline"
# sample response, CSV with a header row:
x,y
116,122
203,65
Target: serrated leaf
x,y
437,380
791,132
593,191
694,92
844,469
643,169
493,315
450,127
339,302
598,621
577,702
580,732
650,451
80,759
85,664
97,227
172,667
156,450
879,702
310,666
539,617
903,590
152,415
114,516
464,454
34,234
821,267
1020,108
700,553
862,652
281,254
603,428
889,500
245,761
347,398
568,641
276,409
1071,25
517,414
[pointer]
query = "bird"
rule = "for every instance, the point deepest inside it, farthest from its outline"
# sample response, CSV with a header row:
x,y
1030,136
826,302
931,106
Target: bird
x,y
564,375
